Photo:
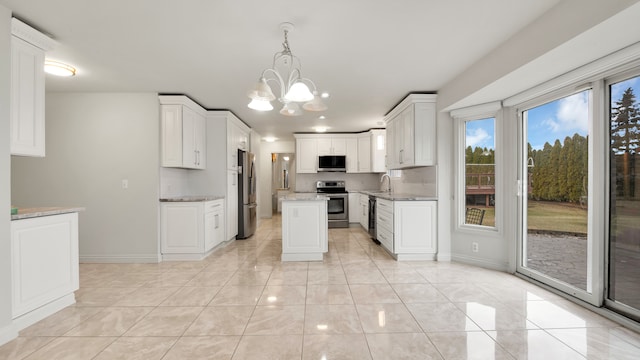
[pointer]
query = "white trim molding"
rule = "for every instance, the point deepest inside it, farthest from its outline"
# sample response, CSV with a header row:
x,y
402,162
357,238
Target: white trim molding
x,y
626,57
476,111
120,259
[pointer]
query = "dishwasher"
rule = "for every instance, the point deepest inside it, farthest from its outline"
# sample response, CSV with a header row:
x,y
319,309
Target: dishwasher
x,y
372,219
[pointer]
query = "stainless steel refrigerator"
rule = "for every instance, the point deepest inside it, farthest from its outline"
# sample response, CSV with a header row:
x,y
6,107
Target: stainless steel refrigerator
x,y
246,194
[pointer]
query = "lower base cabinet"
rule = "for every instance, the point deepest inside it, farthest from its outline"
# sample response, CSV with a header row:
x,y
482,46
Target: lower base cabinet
x,y
305,234
44,267
407,229
190,230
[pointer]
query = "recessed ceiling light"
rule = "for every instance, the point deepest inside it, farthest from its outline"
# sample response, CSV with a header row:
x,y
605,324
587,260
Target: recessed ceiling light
x,y
269,139
321,128
59,69
322,117
324,95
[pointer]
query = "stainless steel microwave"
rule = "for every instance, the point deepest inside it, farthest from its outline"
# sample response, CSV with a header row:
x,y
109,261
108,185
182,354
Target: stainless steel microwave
x,y
335,163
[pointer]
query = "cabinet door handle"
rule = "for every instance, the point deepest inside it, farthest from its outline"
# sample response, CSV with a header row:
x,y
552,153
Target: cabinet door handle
x,y
217,217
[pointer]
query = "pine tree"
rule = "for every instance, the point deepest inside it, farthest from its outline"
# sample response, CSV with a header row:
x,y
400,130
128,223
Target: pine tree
x,y
625,122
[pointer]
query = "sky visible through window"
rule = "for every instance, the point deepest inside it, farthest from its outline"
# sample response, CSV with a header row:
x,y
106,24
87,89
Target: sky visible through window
x,y
555,120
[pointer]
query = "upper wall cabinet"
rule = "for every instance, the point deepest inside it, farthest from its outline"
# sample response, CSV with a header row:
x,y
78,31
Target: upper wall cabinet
x,y
411,132
237,139
332,146
307,155
27,126
378,151
359,149
183,133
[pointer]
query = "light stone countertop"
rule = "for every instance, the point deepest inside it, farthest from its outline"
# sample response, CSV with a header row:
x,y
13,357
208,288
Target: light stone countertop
x,y
305,197
195,198
397,196
27,213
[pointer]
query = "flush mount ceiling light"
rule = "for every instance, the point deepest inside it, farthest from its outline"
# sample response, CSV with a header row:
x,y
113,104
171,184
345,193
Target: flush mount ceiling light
x,y
286,73
59,69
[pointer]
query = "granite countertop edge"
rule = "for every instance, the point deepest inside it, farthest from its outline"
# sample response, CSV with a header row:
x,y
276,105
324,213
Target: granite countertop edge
x,y
28,213
305,197
396,196
194,198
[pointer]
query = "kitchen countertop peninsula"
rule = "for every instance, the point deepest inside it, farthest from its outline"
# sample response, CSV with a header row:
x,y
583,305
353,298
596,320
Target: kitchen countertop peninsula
x,y
27,213
393,196
193,198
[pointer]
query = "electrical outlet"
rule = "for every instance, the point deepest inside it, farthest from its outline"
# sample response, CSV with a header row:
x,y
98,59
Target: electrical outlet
x,y
474,246
125,183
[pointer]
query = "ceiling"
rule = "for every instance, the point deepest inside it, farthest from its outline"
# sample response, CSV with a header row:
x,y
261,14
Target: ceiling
x,y
367,54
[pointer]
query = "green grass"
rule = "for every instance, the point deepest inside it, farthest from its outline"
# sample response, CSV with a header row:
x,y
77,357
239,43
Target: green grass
x,y
556,216
548,216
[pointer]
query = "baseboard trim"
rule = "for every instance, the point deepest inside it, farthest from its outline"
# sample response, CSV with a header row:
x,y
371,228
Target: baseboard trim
x,y
483,263
8,333
44,311
122,258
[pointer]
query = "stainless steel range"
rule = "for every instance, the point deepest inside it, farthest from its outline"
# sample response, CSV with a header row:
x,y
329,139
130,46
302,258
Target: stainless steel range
x,y
338,205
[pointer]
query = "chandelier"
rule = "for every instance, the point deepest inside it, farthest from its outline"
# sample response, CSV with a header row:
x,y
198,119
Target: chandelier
x,y
285,72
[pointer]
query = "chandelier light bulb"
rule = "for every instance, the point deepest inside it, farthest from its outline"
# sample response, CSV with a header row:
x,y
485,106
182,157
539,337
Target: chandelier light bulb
x,y
260,105
299,92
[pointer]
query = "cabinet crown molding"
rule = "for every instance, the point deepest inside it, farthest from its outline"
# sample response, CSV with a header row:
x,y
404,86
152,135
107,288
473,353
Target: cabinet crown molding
x,y
31,35
409,100
182,100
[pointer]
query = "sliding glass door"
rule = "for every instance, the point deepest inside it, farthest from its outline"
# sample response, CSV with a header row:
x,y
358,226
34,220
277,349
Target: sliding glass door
x,y
555,245
623,290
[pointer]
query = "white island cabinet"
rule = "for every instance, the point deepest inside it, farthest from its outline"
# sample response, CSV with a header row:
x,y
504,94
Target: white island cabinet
x,y
44,262
305,233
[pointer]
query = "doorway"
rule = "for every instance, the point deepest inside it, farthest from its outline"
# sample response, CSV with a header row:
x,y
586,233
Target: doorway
x,y
283,178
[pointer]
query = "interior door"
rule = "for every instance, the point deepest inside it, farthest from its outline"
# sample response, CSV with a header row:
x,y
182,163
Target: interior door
x,y
555,192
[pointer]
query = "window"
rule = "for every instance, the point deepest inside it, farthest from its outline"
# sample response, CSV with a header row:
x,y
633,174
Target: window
x,y
480,172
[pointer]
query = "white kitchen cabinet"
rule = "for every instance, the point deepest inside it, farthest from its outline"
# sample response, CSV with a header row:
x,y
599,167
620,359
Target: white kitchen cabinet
x,y
352,155
364,153
214,224
190,230
378,151
411,132
232,204
27,120
183,133
237,139
44,266
414,230
364,211
384,223
332,146
407,229
354,207
306,155
304,229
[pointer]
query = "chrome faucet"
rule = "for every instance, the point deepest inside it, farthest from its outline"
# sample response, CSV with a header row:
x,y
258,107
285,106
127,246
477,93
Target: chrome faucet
x,y
388,178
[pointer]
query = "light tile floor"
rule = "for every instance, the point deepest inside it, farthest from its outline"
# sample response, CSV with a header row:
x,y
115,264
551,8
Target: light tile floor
x,y
243,303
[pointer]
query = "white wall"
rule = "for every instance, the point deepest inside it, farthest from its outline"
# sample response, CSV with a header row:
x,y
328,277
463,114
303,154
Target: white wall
x,y
94,141
7,332
264,172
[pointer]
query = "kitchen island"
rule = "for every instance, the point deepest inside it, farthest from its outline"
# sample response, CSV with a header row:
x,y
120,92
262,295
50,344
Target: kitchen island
x,y
305,227
44,262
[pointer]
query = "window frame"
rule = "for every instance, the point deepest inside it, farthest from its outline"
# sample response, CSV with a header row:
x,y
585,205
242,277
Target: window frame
x,y
461,117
